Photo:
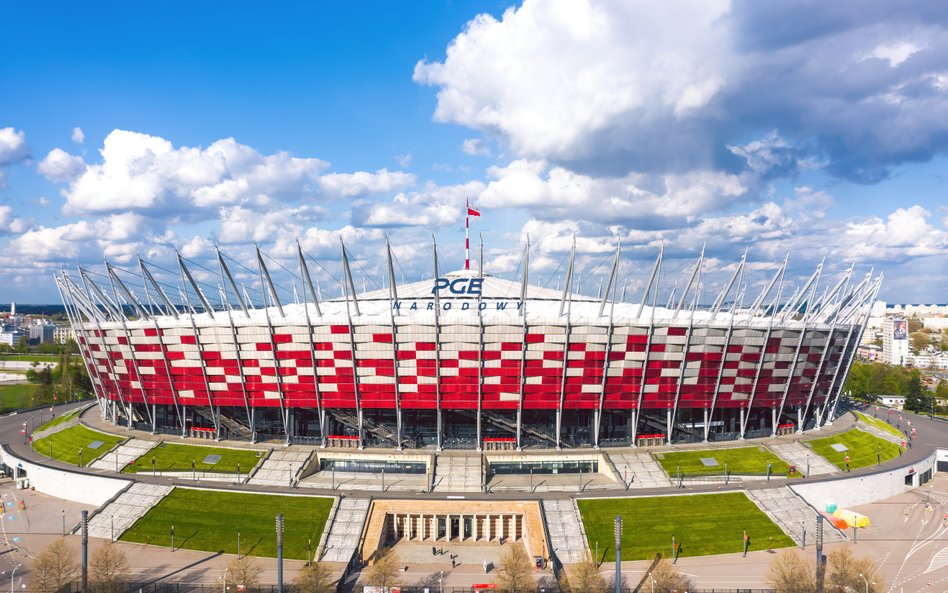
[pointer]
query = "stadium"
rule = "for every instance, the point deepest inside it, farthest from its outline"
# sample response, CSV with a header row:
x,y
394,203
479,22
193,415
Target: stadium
x,y
464,359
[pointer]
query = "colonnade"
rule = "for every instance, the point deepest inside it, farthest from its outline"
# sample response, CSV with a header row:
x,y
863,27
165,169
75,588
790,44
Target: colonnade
x,y
452,527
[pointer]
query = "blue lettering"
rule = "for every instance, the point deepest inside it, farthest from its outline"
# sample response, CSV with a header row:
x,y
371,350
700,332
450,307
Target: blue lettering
x,y
439,284
482,306
397,306
475,286
414,306
501,306
446,306
430,306
465,306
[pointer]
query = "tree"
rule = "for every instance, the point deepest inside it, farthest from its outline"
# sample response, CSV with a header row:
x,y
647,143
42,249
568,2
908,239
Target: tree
x,y
315,578
243,570
23,345
789,572
384,570
516,571
845,570
584,577
667,579
919,341
54,567
108,570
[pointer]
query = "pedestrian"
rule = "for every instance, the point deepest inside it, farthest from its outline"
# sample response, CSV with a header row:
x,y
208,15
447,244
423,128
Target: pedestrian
x,y
452,563
434,551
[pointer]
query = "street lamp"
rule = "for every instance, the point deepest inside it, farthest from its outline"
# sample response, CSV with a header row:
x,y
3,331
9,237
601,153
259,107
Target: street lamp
x,y
617,528
279,538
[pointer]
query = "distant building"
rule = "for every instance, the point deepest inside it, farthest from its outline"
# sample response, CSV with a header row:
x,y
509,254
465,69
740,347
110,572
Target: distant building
x,y
41,333
11,336
935,323
895,343
63,333
869,352
892,401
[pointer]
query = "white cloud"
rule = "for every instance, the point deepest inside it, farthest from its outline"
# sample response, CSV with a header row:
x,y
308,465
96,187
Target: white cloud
x,y
554,193
361,183
139,171
116,237
475,147
403,160
78,136
894,53
552,76
243,225
59,165
196,247
10,223
13,146
433,205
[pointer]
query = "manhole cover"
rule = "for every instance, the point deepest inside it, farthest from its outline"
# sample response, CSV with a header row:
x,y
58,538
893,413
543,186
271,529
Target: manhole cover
x,y
94,445
211,459
839,447
709,461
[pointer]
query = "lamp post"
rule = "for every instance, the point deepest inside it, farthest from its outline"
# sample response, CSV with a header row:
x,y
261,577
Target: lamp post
x,y
617,528
80,456
279,536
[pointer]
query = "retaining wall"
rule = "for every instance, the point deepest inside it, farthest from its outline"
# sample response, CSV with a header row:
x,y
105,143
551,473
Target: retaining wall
x,y
66,484
848,492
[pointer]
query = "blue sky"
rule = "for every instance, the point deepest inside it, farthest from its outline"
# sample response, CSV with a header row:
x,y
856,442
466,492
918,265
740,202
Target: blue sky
x,y
821,130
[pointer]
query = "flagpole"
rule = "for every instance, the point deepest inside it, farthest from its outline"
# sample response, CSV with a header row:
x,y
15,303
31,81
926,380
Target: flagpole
x,y
467,234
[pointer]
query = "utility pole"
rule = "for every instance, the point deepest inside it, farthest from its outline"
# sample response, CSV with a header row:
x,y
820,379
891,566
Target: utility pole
x,y
820,558
85,551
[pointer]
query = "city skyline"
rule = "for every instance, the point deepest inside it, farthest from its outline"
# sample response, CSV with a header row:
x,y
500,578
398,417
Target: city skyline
x,y
127,133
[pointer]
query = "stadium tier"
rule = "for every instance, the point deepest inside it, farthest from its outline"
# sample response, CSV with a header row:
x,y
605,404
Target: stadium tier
x,y
465,360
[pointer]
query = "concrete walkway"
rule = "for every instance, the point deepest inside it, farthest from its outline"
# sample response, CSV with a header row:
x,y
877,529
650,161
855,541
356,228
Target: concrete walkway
x,y
281,467
792,514
565,528
639,469
122,455
114,518
807,462
457,473
346,529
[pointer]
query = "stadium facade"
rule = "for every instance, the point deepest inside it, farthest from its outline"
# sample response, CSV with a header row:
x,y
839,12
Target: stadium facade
x,y
465,360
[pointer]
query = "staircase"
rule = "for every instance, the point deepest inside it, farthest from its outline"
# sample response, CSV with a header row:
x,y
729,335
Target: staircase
x,y
369,425
499,421
122,455
565,528
111,521
346,530
457,473
792,514
237,430
280,468
639,470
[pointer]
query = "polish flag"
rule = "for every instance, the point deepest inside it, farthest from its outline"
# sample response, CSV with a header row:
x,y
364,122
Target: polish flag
x,y
473,211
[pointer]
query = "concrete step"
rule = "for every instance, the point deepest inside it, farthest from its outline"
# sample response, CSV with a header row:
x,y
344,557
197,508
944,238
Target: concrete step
x,y
124,454
565,528
639,469
792,514
796,454
346,529
457,473
281,467
111,521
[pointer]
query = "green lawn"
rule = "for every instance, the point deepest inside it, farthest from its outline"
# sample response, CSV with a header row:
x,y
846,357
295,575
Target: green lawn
x,y
16,396
880,424
66,444
171,457
740,461
704,524
863,449
209,520
60,419
31,357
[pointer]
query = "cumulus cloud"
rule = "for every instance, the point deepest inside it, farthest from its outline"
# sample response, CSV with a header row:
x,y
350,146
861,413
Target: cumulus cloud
x,y
78,136
59,165
475,147
361,183
116,237
10,223
13,146
646,200
611,86
433,206
144,172
243,225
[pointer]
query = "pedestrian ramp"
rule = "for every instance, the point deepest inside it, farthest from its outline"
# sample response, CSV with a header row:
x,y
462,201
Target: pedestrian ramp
x,y
281,468
794,516
639,470
806,461
124,454
565,528
111,521
457,473
878,432
345,530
